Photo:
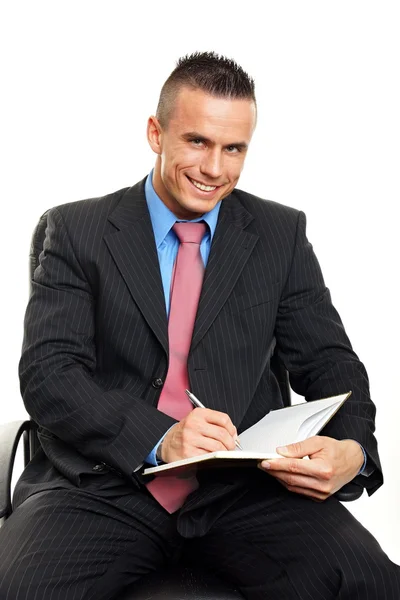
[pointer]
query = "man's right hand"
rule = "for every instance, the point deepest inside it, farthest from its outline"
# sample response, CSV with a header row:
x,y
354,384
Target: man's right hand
x,y
203,430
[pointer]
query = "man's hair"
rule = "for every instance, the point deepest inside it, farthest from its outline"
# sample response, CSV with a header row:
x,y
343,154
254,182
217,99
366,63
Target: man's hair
x,y
216,75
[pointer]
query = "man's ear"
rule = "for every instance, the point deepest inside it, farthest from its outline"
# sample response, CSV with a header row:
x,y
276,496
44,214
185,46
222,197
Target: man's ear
x,y
154,134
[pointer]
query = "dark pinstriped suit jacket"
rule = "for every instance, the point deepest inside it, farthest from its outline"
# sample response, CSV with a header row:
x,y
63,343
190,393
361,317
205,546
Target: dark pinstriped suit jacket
x,y
96,338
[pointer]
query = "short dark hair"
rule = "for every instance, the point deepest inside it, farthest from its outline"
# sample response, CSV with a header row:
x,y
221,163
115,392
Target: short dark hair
x,y
207,71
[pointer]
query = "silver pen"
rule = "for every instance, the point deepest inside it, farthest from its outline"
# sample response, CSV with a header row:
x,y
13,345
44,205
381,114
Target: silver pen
x,y
196,402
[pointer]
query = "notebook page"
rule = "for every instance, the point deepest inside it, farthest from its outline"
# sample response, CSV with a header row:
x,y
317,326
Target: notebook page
x,y
280,427
314,424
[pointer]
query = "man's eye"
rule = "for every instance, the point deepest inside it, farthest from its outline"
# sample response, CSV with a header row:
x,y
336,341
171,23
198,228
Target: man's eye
x,y
197,142
232,149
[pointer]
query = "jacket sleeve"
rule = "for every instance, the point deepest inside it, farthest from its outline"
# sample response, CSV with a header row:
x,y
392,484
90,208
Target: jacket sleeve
x,y
58,363
314,347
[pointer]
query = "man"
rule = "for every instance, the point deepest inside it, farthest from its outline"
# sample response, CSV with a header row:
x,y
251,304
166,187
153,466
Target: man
x,y
123,317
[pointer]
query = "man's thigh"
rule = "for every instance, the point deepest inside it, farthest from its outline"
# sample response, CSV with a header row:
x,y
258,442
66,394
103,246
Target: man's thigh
x,y
279,545
70,544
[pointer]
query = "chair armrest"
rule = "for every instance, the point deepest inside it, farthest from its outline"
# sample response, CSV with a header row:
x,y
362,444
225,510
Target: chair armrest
x,y
349,492
10,435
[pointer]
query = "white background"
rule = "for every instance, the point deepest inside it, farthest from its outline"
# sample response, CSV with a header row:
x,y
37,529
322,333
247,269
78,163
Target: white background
x,y
79,80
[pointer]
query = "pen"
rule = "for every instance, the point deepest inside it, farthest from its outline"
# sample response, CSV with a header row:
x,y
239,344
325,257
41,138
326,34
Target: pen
x,y
196,402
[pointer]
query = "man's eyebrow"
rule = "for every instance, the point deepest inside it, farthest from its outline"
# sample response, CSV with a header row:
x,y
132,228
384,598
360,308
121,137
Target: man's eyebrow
x,y
193,135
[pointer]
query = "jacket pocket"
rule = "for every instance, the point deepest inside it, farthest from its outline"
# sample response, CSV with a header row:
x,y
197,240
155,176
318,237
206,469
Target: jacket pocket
x,y
253,298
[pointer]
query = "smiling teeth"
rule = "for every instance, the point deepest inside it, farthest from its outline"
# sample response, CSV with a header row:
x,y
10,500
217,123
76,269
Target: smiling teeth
x,y
205,188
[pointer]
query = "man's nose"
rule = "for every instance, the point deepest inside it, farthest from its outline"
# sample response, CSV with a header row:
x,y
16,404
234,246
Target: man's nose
x,y
211,164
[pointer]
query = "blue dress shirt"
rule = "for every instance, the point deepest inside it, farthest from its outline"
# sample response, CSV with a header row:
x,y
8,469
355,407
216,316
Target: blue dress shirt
x,y
162,220
167,243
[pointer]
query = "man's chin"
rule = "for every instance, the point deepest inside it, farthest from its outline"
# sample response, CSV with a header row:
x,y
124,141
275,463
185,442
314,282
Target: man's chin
x,y
197,208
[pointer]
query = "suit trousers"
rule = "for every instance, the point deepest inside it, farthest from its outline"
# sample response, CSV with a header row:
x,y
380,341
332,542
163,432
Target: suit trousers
x,y
89,542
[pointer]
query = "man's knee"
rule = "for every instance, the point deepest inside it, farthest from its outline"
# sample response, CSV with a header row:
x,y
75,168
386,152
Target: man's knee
x,y
20,579
366,571
36,545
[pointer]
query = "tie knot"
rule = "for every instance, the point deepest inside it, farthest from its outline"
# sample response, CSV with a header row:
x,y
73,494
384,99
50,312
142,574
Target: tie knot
x,y
190,232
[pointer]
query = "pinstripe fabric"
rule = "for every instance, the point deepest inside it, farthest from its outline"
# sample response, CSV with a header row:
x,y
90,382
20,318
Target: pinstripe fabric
x,y
275,545
88,542
96,343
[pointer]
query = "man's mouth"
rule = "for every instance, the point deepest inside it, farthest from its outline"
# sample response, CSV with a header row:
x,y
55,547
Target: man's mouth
x,y
202,186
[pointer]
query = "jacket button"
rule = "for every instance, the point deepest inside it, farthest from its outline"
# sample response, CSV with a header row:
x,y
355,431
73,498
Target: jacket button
x,y
157,383
99,468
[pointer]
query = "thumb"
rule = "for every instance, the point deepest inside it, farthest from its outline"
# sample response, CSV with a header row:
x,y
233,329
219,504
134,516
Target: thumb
x,y
300,449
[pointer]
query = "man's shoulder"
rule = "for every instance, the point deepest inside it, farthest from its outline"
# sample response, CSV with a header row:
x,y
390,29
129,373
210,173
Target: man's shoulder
x,y
262,207
99,208
96,207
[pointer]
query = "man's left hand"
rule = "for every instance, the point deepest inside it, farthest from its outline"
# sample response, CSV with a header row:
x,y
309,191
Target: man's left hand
x,y
332,464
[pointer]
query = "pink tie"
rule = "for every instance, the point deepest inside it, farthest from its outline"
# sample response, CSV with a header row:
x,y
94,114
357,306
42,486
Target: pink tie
x,y
187,280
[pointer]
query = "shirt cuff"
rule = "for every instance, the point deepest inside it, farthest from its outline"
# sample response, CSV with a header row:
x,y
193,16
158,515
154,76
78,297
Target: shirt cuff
x,y
360,472
151,458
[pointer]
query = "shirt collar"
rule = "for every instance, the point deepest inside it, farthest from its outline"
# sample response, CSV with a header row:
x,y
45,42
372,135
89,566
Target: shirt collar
x,y
163,219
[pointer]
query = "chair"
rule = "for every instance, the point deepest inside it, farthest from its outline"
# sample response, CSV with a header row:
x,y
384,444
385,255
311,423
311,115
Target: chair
x,y
180,583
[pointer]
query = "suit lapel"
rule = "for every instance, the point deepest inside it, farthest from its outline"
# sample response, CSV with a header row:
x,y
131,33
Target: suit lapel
x,y
230,250
134,251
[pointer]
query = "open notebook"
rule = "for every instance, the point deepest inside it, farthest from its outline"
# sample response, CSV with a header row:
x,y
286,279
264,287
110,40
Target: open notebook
x,y
278,428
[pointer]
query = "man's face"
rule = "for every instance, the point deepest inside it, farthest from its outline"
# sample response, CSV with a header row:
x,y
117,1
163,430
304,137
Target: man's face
x,y
204,144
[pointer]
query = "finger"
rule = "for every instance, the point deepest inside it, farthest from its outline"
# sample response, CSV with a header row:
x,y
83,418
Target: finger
x,y
219,434
298,481
306,447
203,444
196,445
215,417
317,468
317,496
304,491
